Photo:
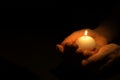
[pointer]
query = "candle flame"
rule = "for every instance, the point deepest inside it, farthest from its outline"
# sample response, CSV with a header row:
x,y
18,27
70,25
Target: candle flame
x,y
86,32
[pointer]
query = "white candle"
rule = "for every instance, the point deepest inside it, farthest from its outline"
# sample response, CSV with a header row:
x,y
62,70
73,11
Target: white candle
x,y
86,42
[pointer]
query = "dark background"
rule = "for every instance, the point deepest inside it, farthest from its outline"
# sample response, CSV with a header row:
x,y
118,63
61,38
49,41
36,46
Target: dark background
x,y
28,51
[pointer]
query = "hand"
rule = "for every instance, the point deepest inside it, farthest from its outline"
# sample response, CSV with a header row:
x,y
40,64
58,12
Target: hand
x,y
102,50
70,41
111,52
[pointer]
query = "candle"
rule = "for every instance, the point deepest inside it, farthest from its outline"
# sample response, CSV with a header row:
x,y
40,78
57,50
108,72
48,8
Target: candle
x,y
86,42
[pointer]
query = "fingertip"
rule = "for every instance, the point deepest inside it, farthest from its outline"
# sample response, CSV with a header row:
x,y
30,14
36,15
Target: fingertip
x,y
75,45
60,48
78,51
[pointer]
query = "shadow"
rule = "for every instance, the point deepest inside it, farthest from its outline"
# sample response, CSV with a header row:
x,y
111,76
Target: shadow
x,y
71,69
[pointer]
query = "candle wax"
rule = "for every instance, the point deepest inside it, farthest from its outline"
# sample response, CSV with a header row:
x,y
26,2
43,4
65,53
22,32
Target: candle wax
x,y
86,42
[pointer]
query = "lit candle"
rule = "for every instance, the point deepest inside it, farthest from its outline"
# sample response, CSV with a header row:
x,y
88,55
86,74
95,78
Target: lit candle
x,y
86,42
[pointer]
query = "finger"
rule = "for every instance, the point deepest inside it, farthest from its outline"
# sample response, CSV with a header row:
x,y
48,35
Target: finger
x,y
70,48
106,64
104,51
79,50
75,45
63,47
95,57
88,52
112,58
60,48
71,38
71,44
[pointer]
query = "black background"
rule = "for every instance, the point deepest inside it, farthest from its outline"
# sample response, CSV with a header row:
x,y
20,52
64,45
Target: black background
x,y
28,43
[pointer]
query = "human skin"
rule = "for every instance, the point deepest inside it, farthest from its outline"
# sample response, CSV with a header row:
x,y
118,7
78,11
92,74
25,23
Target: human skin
x,y
71,41
104,34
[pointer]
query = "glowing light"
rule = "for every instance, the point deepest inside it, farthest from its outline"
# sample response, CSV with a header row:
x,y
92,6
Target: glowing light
x,y
86,42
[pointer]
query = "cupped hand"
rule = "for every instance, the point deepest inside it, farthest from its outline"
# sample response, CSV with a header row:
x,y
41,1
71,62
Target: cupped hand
x,y
102,51
70,42
111,52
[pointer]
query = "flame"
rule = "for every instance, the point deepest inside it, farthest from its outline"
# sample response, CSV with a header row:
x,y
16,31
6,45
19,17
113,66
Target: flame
x,y
86,32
